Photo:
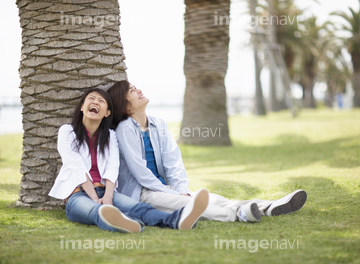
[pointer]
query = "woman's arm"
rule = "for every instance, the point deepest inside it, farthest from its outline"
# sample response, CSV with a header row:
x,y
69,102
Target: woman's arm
x,y
90,191
70,157
75,170
109,192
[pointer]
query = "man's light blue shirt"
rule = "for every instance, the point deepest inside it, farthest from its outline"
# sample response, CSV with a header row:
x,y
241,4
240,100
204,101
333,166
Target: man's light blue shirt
x,y
133,173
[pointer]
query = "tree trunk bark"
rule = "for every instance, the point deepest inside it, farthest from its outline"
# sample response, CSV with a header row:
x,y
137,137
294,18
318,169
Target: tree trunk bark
x,y
66,48
205,120
275,104
260,109
356,87
356,78
308,96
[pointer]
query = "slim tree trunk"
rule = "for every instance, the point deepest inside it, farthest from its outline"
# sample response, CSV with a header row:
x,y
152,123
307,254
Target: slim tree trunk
x,y
309,81
259,97
276,96
260,109
356,87
308,97
205,65
66,48
273,102
356,78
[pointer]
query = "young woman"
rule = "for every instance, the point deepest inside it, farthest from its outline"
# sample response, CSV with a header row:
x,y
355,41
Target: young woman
x,y
89,173
152,170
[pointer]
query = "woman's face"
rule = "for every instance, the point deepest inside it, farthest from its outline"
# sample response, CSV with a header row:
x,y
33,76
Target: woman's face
x,y
95,107
137,101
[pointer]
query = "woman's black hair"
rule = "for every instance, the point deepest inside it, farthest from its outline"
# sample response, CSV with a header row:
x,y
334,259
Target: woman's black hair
x,y
102,134
118,94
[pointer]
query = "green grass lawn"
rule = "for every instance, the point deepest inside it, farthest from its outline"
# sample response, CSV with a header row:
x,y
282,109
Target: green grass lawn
x,y
319,152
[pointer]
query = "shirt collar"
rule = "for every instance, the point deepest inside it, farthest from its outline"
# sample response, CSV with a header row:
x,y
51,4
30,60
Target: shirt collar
x,y
149,119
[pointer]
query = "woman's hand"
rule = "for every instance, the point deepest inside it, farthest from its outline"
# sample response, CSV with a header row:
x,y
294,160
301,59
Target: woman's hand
x,y
90,191
107,199
109,191
97,200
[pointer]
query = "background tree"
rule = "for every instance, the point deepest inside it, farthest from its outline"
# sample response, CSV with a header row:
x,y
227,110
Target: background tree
x,y
259,97
282,29
334,70
66,48
352,26
313,45
206,60
274,100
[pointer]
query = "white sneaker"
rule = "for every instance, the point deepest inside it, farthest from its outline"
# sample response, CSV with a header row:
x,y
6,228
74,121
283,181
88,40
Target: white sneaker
x,y
288,204
113,217
193,210
249,213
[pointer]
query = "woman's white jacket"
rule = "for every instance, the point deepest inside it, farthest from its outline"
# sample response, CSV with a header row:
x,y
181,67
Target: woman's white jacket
x,y
76,164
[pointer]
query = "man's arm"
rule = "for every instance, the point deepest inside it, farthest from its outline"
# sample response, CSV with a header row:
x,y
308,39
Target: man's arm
x,y
130,148
173,163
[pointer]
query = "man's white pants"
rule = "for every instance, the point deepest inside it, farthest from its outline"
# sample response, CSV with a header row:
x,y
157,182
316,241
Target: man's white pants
x,y
219,208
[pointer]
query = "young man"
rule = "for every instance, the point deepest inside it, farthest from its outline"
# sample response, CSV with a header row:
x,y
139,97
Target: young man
x,y
152,170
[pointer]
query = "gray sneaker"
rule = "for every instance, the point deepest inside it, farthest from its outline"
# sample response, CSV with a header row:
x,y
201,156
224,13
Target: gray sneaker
x,y
249,213
288,204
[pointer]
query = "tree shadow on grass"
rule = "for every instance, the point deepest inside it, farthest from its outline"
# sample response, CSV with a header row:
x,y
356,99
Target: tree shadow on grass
x,y
331,207
232,190
331,210
323,194
289,152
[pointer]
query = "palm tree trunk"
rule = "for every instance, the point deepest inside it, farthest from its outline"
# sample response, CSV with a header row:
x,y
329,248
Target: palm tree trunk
x,y
309,72
356,87
205,65
260,109
308,97
274,103
66,48
356,78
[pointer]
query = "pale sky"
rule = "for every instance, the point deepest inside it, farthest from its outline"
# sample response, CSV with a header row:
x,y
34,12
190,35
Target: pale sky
x,y
152,35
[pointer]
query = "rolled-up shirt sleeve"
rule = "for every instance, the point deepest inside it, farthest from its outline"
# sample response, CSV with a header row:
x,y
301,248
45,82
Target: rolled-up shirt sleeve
x,y
130,148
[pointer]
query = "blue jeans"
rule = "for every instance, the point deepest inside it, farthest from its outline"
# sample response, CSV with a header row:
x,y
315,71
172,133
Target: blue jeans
x,y
80,208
